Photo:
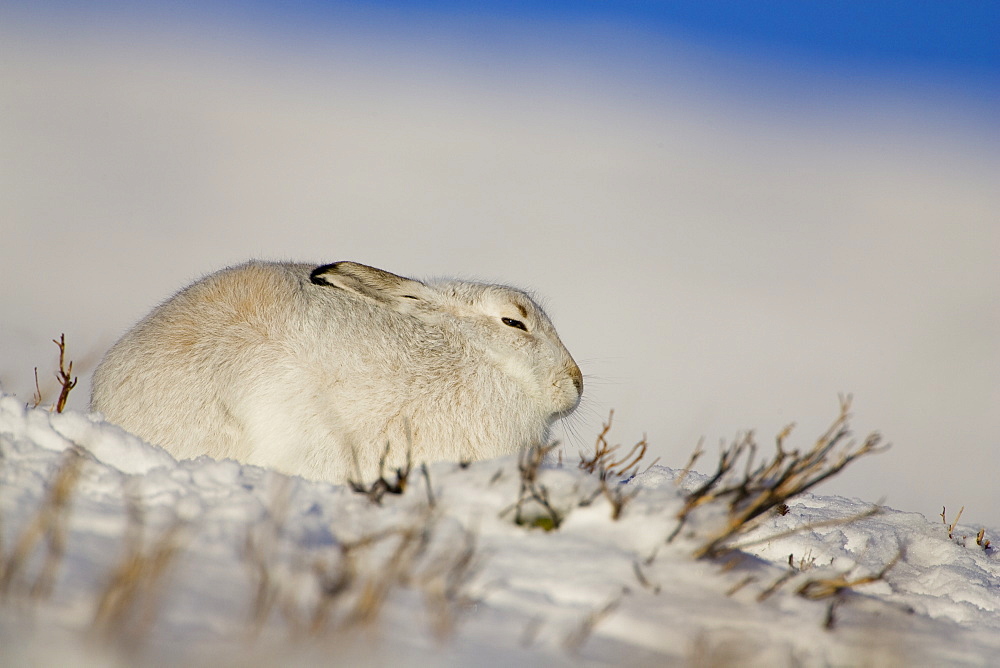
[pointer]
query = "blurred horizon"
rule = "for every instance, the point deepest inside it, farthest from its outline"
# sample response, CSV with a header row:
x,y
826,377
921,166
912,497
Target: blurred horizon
x,y
731,218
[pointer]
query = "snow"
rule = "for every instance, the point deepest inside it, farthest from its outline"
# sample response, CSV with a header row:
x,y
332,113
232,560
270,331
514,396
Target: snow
x,y
459,582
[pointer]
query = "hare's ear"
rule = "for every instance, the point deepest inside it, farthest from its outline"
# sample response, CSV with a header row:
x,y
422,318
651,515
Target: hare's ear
x,y
369,282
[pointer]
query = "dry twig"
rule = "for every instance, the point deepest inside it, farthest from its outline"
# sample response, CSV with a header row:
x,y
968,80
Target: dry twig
x,y
67,381
575,640
602,461
825,587
695,455
768,485
951,527
49,523
259,548
981,539
533,492
601,448
382,486
128,604
65,375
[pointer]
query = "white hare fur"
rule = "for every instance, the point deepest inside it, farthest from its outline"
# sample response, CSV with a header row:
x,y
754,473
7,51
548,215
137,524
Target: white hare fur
x,y
314,370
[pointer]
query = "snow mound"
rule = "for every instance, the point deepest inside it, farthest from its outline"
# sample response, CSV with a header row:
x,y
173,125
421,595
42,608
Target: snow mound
x,y
124,555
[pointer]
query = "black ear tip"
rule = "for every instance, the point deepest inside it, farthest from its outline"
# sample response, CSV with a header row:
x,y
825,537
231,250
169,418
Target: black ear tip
x,y
317,274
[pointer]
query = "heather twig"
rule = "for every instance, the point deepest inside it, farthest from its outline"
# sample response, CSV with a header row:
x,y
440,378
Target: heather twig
x,y
575,640
533,492
382,485
65,375
132,596
50,524
767,485
67,381
603,462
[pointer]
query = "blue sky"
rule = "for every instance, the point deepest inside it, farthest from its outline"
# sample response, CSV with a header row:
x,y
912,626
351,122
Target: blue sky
x,y
894,33
903,37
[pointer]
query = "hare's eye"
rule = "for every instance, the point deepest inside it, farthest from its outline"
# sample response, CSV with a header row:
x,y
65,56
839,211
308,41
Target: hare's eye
x,y
510,322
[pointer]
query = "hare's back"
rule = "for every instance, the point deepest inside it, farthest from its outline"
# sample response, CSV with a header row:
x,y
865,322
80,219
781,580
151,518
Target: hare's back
x,y
224,315
252,297
247,293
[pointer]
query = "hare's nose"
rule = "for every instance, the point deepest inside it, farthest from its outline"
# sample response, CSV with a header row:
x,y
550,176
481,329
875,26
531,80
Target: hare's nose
x,y
577,376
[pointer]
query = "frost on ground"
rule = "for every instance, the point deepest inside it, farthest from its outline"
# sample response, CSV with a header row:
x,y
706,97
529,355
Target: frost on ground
x,y
113,552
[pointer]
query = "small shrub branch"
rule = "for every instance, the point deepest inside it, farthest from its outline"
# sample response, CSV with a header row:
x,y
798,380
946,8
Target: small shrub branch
x,y
768,485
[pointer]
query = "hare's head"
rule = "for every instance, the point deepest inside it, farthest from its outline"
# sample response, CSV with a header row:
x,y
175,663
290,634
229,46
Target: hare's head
x,y
501,324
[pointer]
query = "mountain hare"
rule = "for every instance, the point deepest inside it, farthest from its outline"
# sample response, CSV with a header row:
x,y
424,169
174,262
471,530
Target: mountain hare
x,y
316,371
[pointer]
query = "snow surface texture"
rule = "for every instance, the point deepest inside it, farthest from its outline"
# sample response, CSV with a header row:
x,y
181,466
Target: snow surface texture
x,y
202,562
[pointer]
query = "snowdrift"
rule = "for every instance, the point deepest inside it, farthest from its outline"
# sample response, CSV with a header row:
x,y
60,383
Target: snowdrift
x,y
114,553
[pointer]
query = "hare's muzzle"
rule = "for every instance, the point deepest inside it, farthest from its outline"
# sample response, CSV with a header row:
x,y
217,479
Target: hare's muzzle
x,y
577,376
570,389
